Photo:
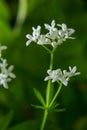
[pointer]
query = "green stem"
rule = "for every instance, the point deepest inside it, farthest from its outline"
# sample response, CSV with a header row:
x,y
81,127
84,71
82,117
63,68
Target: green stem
x,y
47,95
51,61
55,96
44,120
47,49
49,82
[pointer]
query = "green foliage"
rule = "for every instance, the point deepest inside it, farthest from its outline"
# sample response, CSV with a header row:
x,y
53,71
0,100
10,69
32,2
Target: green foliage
x,y
5,121
39,96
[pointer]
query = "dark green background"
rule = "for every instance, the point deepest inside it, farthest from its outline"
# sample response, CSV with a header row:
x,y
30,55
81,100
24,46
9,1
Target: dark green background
x,y
32,62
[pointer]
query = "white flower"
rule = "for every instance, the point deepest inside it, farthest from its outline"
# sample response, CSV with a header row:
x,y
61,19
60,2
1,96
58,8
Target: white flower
x,y
56,75
6,74
43,40
53,31
63,77
65,32
35,35
50,28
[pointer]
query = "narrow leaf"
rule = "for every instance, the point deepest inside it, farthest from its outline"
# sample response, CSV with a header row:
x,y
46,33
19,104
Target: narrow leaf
x,y
55,105
39,96
59,110
37,106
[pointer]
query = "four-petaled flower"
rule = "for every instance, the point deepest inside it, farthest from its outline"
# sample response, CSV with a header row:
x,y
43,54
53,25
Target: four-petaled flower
x,y
52,27
65,33
35,35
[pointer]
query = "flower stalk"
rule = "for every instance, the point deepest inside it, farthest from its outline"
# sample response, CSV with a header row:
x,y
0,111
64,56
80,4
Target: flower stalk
x,y
56,35
47,95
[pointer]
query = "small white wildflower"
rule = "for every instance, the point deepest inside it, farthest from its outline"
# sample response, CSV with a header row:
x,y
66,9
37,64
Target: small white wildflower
x,y
53,31
52,27
43,40
35,35
65,32
56,75
63,77
54,37
6,74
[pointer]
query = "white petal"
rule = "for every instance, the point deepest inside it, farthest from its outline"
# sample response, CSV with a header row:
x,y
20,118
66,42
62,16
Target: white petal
x,y
12,75
29,36
74,69
28,42
38,27
47,78
64,27
10,68
78,73
70,68
5,85
53,23
47,26
71,31
54,44
49,71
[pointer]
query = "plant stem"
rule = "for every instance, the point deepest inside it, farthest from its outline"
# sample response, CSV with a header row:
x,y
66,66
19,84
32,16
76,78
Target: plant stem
x,y
47,95
55,96
44,120
49,82
51,61
47,49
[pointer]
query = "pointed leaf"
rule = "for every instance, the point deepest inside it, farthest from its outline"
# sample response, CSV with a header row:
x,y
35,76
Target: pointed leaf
x,y
55,105
39,96
59,110
37,106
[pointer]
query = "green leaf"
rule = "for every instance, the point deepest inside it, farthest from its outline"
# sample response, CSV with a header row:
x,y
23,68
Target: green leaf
x,y
39,96
27,125
55,105
37,106
59,110
5,121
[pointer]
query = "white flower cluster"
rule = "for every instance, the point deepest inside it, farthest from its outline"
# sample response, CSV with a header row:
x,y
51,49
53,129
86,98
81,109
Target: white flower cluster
x,y
6,74
57,34
63,77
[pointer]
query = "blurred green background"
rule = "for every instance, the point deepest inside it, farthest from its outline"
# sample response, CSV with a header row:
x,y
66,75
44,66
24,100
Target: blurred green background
x,y
31,63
